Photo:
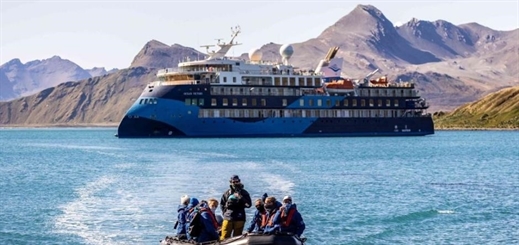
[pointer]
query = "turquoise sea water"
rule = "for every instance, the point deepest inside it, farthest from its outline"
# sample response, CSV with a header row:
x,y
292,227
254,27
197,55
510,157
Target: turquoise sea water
x,y
84,186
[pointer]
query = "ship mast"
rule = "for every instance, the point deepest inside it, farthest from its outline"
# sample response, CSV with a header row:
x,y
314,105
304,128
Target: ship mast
x,y
224,47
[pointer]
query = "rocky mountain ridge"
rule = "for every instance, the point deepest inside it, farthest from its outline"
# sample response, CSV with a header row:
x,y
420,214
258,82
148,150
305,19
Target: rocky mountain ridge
x,y
18,79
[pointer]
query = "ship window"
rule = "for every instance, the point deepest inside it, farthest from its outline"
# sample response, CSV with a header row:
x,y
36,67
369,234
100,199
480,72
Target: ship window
x,y
234,102
145,101
234,79
362,102
388,102
201,102
319,102
301,102
328,103
301,81
225,102
337,103
285,81
311,102
354,102
213,102
309,81
224,79
317,81
345,102
244,102
194,101
379,103
140,102
292,81
284,102
237,63
396,102
254,102
188,101
263,102
371,102
277,81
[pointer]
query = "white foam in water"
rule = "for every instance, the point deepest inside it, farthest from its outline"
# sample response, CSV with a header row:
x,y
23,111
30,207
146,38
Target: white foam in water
x,y
445,211
87,215
277,184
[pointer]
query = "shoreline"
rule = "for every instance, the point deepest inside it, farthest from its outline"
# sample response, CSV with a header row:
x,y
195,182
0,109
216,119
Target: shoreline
x,y
90,125
476,129
113,125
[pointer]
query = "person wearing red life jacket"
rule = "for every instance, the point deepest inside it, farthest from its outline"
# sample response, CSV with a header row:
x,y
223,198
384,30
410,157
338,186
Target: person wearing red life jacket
x,y
288,219
259,216
272,207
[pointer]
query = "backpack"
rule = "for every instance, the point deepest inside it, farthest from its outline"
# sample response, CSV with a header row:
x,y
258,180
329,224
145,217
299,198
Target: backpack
x,y
195,224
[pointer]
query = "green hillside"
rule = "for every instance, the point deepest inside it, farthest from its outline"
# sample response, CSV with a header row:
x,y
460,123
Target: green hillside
x,y
497,110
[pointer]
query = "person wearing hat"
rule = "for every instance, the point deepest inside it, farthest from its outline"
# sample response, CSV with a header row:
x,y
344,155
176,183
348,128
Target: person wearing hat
x,y
233,204
288,219
180,225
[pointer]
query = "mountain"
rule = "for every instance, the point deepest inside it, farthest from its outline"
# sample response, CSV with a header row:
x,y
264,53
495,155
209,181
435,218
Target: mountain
x,y
100,71
17,79
95,101
496,110
451,66
159,55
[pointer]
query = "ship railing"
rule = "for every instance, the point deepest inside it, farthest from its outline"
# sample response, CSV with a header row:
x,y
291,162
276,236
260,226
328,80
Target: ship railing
x,y
185,82
167,70
269,72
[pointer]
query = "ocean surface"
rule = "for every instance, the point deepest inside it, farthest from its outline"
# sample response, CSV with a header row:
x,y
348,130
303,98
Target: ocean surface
x,y
84,186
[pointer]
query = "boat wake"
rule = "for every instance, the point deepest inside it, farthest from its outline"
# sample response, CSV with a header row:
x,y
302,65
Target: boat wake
x,y
95,218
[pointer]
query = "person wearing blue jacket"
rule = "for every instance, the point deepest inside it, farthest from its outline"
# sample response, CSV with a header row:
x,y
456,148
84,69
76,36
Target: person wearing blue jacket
x,y
182,210
209,226
193,202
260,215
288,219
272,207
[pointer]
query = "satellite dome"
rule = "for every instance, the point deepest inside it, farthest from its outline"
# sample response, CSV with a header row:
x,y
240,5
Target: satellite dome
x,y
286,51
255,55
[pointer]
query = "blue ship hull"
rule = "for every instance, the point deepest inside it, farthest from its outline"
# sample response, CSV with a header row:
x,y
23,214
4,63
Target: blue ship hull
x,y
172,118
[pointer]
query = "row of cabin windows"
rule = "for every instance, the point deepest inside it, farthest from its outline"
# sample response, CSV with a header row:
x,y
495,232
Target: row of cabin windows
x,y
388,92
294,113
285,81
256,91
284,102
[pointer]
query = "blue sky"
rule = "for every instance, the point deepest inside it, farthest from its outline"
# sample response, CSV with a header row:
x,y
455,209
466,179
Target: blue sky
x,y
110,33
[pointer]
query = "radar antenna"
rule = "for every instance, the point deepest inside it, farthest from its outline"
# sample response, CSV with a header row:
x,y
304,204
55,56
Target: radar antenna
x,y
224,47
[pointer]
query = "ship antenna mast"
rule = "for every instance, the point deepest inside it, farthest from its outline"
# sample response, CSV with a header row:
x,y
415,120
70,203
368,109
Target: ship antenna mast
x,y
224,47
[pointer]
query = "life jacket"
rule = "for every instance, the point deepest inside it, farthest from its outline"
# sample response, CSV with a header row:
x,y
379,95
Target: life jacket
x,y
196,225
259,222
287,218
267,219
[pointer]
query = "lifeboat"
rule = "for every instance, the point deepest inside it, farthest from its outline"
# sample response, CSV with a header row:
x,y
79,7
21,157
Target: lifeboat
x,y
382,81
245,239
340,86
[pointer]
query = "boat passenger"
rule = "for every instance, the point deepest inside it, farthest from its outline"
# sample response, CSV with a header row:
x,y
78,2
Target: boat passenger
x,y
182,210
193,202
260,215
202,223
288,219
213,204
272,207
234,210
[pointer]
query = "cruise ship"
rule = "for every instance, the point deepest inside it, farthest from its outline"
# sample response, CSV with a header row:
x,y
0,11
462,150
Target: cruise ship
x,y
220,96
